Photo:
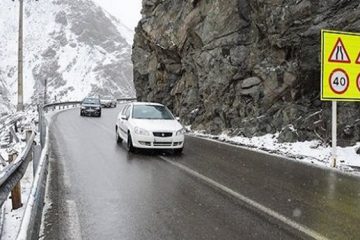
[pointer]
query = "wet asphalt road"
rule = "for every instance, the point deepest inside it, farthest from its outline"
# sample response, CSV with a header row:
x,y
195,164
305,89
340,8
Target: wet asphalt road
x,y
97,190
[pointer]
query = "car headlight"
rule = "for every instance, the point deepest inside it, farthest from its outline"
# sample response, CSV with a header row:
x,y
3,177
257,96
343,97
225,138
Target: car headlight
x,y
141,131
180,132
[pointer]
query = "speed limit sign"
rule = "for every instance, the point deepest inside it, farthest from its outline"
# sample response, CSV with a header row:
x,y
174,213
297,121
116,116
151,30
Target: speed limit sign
x,y
340,64
339,81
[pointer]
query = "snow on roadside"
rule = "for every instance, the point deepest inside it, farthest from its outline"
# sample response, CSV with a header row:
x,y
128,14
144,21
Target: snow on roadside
x,y
25,120
313,152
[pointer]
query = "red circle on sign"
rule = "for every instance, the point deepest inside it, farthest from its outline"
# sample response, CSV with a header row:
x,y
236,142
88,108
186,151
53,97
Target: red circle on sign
x,y
358,82
347,82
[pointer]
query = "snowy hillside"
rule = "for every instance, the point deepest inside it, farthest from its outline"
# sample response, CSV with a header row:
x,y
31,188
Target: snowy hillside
x,y
78,47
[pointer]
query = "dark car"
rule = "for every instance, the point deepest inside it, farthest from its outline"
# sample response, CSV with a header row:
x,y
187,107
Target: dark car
x,y
90,107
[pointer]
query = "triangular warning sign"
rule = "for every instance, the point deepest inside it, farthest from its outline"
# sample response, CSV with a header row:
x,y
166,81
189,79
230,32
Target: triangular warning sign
x,y
339,53
358,59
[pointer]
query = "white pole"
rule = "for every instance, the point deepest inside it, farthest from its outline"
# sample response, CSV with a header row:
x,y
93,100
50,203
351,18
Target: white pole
x,y
20,105
334,133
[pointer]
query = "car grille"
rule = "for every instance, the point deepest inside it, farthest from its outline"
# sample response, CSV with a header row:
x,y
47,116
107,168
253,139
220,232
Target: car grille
x,y
90,108
162,144
162,134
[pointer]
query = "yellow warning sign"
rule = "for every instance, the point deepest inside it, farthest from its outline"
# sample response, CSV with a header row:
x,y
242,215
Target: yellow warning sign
x,y
340,66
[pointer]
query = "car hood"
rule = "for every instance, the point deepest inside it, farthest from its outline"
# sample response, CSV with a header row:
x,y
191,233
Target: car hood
x,y
157,125
89,105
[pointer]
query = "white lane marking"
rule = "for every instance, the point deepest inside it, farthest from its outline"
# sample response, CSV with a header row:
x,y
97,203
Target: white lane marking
x,y
73,227
287,221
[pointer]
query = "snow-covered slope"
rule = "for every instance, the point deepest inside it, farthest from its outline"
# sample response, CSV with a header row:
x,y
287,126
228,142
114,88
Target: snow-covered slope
x,y
74,44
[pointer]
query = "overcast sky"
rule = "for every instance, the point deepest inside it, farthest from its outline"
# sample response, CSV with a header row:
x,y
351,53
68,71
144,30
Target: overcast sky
x,y
128,11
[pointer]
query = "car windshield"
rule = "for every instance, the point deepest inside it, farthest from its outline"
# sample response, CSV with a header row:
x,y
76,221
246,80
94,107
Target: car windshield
x,y
91,101
151,112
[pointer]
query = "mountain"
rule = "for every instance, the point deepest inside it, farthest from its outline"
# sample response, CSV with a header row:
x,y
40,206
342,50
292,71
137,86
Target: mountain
x,y
248,67
73,44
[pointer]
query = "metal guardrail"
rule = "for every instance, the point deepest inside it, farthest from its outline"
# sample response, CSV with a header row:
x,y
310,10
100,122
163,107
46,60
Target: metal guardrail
x,y
13,173
61,104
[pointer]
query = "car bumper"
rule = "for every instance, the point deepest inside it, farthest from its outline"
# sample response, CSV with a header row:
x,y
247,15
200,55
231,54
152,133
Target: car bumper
x,y
151,142
90,112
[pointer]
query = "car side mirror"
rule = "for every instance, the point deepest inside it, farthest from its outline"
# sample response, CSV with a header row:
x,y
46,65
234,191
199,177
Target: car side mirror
x,y
123,117
177,118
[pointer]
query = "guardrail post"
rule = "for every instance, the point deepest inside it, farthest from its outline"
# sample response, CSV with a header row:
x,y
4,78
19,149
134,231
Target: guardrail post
x,y
28,135
16,127
16,192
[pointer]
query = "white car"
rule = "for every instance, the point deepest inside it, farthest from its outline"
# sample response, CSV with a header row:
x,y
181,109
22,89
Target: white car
x,y
108,101
149,126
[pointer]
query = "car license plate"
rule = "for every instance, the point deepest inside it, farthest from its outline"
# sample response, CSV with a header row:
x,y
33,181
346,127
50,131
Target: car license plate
x,y
160,140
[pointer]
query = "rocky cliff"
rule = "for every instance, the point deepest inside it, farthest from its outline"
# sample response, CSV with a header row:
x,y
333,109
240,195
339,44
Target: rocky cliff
x,y
248,66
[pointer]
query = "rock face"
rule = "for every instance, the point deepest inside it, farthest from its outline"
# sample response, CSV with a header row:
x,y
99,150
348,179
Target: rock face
x,y
75,45
249,66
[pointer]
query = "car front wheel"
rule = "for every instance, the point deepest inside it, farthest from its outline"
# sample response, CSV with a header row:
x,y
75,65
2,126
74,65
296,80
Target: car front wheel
x,y
118,138
130,146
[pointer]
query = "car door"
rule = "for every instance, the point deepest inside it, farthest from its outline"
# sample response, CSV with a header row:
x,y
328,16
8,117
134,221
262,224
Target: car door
x,y
124,123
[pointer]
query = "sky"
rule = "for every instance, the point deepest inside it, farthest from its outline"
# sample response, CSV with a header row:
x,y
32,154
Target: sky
x,y
128,11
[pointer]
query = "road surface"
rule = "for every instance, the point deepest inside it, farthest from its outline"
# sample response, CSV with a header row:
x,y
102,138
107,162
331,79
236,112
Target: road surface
x,y
97,190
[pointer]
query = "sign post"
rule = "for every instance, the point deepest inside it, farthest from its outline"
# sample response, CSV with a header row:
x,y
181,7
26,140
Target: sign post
x,y
340,73
334,133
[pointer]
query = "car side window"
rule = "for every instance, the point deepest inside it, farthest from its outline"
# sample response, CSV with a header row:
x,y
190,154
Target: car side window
x,y
124,110
127,113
